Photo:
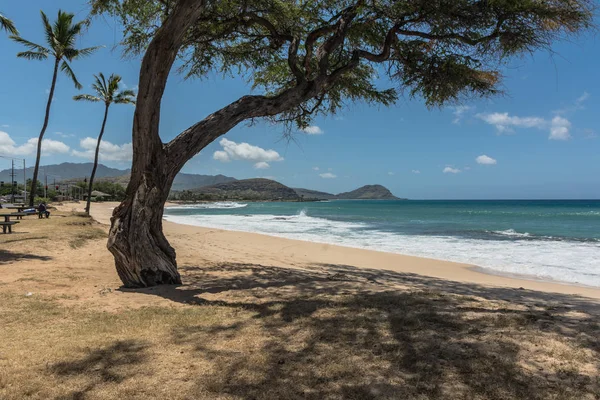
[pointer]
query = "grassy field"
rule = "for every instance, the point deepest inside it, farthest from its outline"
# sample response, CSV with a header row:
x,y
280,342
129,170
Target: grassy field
x,y
248,331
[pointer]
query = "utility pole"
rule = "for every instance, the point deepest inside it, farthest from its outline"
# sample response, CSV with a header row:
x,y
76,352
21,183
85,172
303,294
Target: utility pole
x,y
12,180
24,183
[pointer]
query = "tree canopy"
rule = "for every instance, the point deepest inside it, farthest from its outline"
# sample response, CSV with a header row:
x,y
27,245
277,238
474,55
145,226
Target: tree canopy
x,y
438,49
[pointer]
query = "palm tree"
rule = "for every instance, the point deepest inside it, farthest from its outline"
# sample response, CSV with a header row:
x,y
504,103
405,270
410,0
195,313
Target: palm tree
x,y
108,93
8,25
60,42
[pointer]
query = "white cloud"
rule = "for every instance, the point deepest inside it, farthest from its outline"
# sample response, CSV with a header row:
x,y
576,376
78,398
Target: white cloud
x,y
559,130
313,130
315,168
559,127
221,156
328,175
262,165
64,135
450,170
49,146
391,173
416,171
459,112
246,152
5,126
467,168
577,105
485,160
505,123
581,99
108,150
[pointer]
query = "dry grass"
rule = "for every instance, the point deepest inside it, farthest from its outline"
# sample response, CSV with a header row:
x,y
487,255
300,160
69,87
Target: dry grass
x,y
239,331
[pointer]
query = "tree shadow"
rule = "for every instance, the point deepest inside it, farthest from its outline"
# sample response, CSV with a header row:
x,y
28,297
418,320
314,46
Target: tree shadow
x,y
7,256
336,331
109,364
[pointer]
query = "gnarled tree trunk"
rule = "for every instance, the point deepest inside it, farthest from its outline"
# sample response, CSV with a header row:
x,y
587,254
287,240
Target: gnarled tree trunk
x,y
143,256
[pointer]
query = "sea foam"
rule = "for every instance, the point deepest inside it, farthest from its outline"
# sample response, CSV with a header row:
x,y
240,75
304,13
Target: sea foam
x,y
566,261
207,206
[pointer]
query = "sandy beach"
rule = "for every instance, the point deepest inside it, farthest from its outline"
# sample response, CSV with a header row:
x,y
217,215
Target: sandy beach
x,y
194,244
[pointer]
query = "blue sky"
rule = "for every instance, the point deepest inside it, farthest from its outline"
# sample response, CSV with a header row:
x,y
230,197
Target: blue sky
x,y
540,140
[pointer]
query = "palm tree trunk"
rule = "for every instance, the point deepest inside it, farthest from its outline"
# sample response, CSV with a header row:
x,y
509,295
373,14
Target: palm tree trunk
x,y
89,198
39,144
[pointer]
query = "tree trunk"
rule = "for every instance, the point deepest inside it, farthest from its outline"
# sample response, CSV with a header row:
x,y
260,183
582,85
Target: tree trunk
x,y
143,256
89,198
39,144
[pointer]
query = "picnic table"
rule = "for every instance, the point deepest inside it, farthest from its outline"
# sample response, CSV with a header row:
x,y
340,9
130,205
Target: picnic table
x,y
17,215
18,208
7,226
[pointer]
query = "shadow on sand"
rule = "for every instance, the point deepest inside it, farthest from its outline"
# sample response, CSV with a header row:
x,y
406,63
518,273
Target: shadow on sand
x,y
7,256
336,331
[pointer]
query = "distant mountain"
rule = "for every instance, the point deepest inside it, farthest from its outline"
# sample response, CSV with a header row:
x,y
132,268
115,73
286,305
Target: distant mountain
x,y
269,190
192,181
369,192
64,171
182,181
79,171
308,194
248,189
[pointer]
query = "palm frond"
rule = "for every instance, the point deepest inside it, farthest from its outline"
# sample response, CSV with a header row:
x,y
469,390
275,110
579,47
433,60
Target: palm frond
x,y
33,55
125,97
113,84
30,45
8,25
86,97
50,36
85,52
100,86
62,29
69,72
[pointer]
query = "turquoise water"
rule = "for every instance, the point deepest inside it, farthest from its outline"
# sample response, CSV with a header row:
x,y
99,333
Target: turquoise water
x,y
556,240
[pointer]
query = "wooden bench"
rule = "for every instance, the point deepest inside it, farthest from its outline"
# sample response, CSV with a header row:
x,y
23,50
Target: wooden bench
x,y
18,208
7,226
19,215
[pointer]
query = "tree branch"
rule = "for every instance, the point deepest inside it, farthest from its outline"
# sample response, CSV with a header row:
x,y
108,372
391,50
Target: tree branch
x,y
341,27
192,140
156,66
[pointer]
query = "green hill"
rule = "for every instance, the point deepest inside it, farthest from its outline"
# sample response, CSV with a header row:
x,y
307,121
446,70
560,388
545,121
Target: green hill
x,y
368,192
248,189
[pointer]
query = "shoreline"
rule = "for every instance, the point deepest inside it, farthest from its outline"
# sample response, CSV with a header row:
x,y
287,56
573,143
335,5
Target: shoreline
x,y
262,249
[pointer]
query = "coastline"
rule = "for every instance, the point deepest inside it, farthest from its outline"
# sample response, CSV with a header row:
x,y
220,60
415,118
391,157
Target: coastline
x,y
195,244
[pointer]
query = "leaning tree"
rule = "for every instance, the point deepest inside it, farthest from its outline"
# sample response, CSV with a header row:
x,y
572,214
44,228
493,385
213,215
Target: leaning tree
x,y
60,38
308,57
108,93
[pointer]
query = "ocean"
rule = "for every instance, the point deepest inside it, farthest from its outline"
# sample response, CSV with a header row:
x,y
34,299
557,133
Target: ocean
x,y
547,240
